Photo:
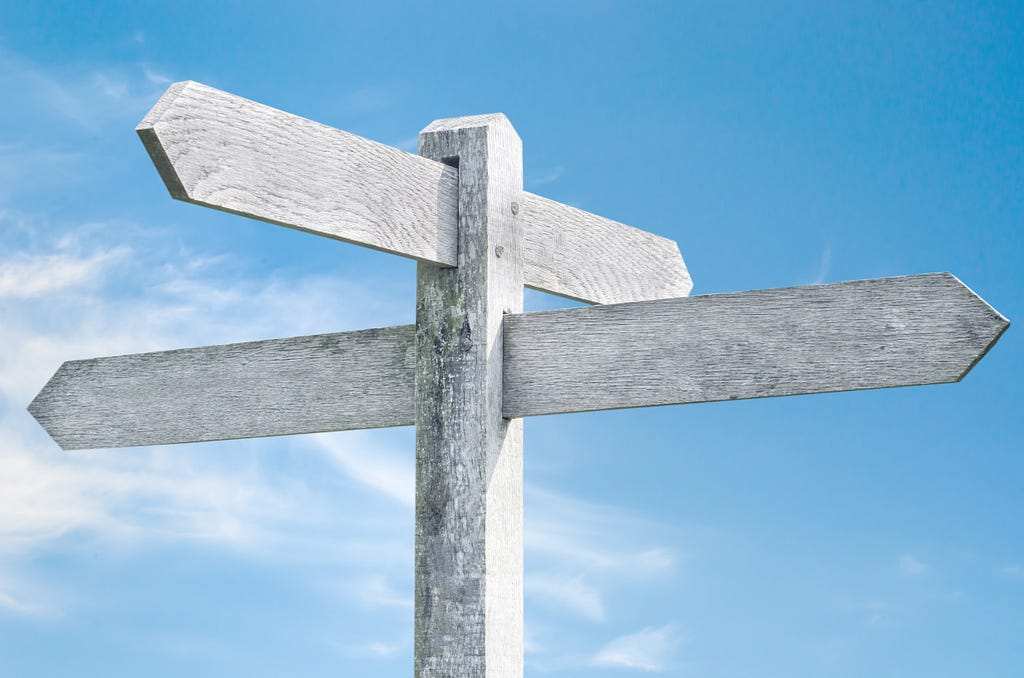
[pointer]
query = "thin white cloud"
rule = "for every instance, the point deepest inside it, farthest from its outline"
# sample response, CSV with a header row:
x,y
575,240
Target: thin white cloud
x,y
651,649
594,537
111,86
382,649
87,95
372,649
29,276
374,590
57,307
571,594
909,566
386,471
547,176
23,167
371,99
156,77
1015,571
19,597
408,144
579,550
18,74
823,267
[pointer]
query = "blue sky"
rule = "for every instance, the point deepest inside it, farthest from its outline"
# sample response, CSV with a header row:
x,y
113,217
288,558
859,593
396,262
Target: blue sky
x,y
873,533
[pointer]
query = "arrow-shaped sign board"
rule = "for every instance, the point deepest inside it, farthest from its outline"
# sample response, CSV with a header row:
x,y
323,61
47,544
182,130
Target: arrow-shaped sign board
x,y
220,150
474,364
923,329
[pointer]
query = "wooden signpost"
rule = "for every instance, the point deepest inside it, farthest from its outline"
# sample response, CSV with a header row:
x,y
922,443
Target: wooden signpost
x,y
474,364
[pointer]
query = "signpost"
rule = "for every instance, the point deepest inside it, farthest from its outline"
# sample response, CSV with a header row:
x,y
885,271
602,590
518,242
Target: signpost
x,y
474,364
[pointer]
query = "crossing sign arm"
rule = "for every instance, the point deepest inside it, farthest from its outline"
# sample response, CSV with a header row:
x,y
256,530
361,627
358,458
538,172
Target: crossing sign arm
x,y
473,364
219,150
864,334
854,335
326,382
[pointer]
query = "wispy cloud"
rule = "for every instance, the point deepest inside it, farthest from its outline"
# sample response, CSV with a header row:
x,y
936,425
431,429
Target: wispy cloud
x,y
594,537
87,95
31,82
1015,571
571,594
67,296
546,176
651,649
387,471
408,144
19,597
32,276
375,590
823,267
579,551
370,99
372,649
156,77
24,167
909,566
60,302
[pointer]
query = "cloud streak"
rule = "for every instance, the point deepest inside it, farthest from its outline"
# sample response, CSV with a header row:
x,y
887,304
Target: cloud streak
x,y
24,277
65,298
910,566
350,506
651,649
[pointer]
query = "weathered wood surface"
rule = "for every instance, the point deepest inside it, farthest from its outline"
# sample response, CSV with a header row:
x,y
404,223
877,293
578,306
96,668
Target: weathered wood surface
x,y
864,334
222,151
846,336
328,382
589,258
219,150
469,460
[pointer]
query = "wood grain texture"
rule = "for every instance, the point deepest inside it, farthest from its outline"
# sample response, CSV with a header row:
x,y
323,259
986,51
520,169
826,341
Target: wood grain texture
x,y
222,151
469,460
923,329
589,258
327,382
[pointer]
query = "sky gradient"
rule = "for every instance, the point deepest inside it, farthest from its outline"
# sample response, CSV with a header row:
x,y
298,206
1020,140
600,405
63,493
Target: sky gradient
x,y
871,533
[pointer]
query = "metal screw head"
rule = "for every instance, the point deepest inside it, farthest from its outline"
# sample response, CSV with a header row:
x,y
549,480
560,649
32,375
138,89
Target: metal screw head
x,y
498,250
515,208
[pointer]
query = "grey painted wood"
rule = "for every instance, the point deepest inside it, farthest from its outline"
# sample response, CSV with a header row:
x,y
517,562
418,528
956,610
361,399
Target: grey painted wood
x,y
222,151
328,382
922,329
469,485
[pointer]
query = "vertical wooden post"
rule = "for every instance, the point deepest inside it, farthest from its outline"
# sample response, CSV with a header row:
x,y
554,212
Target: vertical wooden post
x,y
469,485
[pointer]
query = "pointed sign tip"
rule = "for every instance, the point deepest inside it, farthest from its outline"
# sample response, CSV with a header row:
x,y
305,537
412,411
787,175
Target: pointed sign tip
x,y
992,323
42,408
165,101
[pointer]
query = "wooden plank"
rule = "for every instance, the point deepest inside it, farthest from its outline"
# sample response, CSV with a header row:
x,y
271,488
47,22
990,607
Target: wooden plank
x,y
847,336
589,258
469,460
923,329
222,151
215,149
327,382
